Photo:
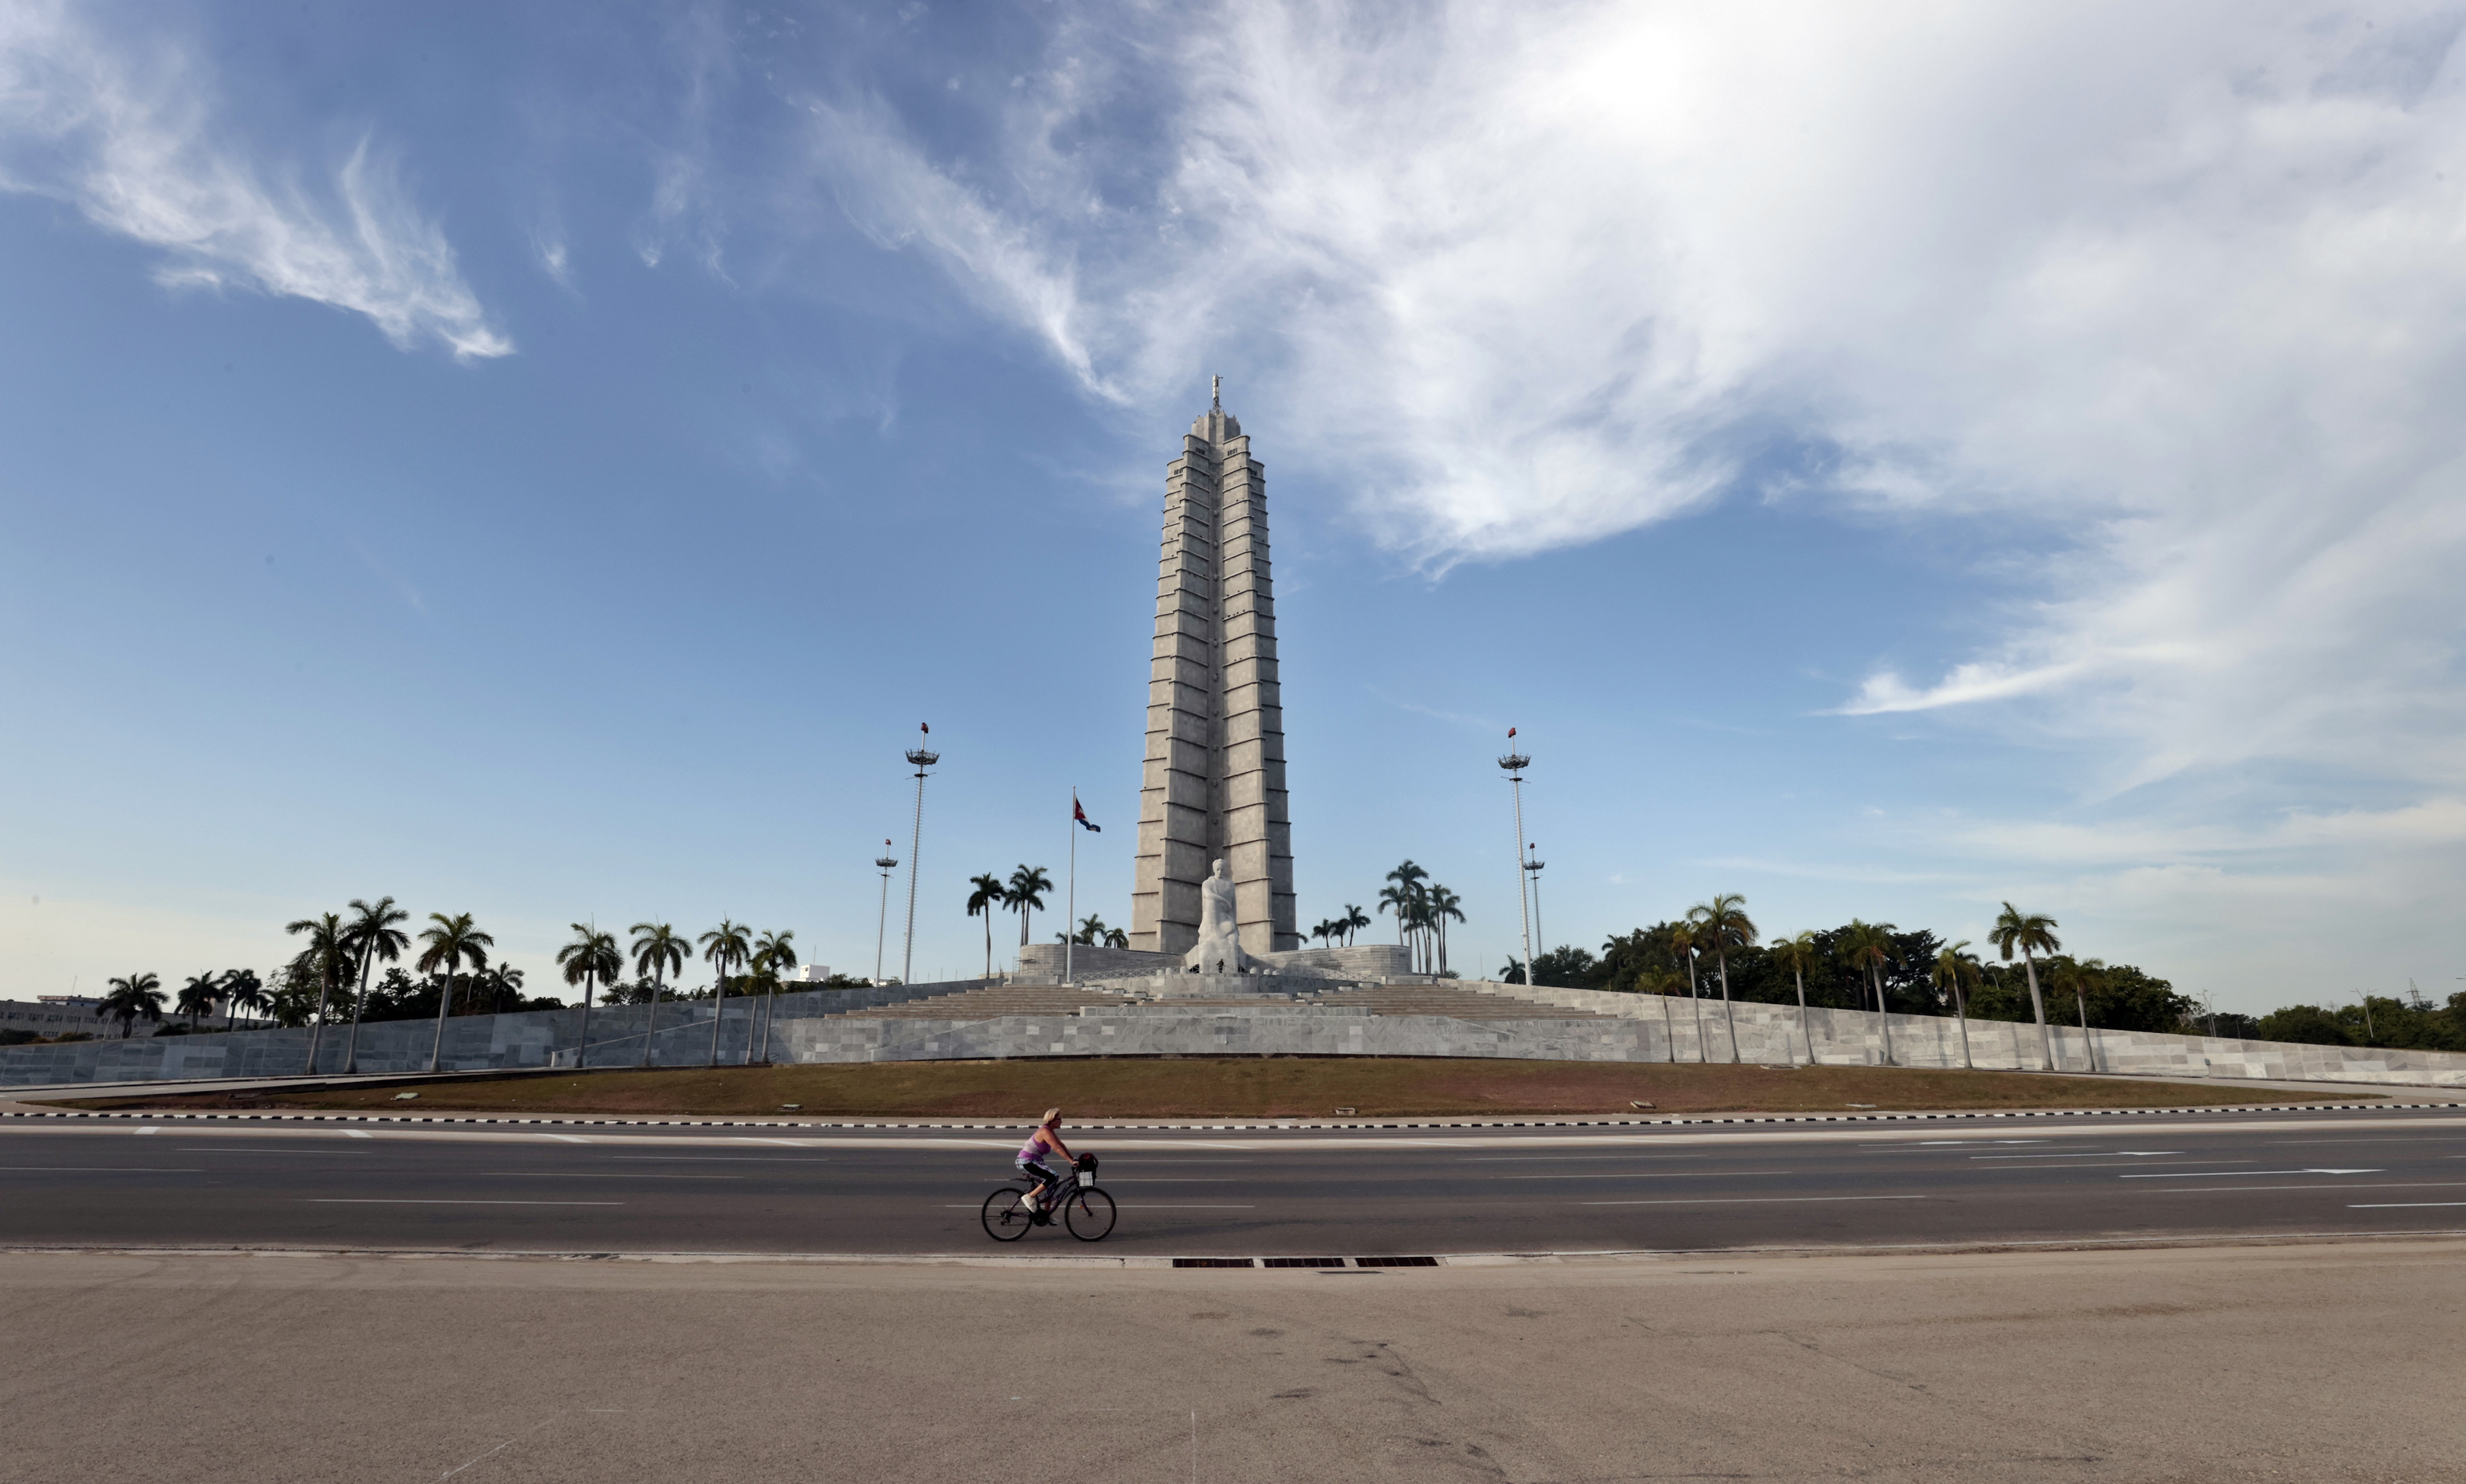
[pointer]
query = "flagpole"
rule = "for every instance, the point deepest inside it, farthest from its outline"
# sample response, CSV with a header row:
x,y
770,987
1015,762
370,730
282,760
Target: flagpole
x,y
1070,911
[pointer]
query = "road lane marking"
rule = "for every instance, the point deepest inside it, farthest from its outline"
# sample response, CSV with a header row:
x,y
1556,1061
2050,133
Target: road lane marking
x,y
357,1133
1753,1200
1139,1207
1537,1158
597,1175
149,1129
577,1138
2401,1184
1653,1175
2403,1204
2101,1154
711,1159
401,1200
2227,1174
141,1169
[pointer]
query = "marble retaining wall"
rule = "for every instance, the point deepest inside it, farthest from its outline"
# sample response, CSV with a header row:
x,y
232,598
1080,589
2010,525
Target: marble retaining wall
x,y
1771,1033
473,1042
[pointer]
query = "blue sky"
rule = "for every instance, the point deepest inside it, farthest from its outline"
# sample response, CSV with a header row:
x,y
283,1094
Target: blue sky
x,y
544,462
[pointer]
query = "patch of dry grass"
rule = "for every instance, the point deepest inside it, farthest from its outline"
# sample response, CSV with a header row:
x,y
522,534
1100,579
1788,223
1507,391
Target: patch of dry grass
x,y
1244,1088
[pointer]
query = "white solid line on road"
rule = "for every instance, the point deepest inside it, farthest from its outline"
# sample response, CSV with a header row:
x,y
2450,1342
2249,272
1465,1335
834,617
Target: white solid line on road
x,y
399,1200
2403,1204
1651,1175
1537,1158
141,1169
1752,1201
358,1134
2402,1185
209,1149
2101,1154
149,1129
600,1175
2228,1173
1140,1207
711,1159
575,1138
1170,1180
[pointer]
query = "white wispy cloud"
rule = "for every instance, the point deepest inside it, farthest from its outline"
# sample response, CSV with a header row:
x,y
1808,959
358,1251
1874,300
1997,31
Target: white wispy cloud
x,y
128,136
2170,294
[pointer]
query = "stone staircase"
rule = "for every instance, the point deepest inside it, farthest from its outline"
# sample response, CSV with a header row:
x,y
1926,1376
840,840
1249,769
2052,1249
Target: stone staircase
x,y
1178,995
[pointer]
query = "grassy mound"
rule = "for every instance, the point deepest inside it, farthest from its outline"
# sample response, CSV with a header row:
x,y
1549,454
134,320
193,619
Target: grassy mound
x,y
1243,1088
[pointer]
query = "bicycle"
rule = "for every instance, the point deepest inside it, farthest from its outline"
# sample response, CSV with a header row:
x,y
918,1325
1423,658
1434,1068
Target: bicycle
x,y
1086,1211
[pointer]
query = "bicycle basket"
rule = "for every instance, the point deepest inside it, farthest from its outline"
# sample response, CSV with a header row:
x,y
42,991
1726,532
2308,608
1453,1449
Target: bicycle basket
x,y
1087,1168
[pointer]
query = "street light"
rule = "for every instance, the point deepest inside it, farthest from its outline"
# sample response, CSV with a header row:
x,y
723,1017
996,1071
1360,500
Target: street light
x,y
1533,869
2370,1036
888,862
922,758
1516,763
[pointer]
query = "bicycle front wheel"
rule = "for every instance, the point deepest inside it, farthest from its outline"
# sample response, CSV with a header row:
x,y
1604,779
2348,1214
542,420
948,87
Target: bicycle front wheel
x,y
1006,1214
1090,1215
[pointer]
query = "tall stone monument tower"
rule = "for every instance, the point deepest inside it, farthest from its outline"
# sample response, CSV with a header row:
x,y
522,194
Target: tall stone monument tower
x,y
1215,782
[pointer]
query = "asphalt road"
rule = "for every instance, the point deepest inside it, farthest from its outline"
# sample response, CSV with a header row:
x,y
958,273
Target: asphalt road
x,y
2323,1363
1944,1183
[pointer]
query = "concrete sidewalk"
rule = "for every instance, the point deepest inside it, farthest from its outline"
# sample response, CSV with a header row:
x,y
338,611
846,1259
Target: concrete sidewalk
x,y
2314,1363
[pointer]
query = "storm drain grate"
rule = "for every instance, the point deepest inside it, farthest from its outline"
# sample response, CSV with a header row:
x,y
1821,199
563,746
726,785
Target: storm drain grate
x,y
1302,1262
1211,1262
1395,1262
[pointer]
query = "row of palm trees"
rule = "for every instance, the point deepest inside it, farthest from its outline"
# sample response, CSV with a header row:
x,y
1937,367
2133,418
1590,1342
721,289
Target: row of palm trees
x,y
1023,893
1345,927
1721,925
1422,908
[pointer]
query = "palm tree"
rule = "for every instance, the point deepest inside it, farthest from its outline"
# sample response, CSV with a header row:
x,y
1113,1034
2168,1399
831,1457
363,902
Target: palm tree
x,y
1025,894
772,952
1115,937
1682,942
1354,921
1793,954
2079,975
2032,934
244,990
1322,932
1951,967
452,942
589,958
1443,905
1869,946
987,895
1722,924
370,937
724,947
658,952
197,996
1092,930
139,994
324,958
1664,982
1404,895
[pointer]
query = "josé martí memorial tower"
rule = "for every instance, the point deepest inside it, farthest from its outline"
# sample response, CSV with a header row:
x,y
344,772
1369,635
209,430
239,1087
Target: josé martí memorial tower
x,y
1213,785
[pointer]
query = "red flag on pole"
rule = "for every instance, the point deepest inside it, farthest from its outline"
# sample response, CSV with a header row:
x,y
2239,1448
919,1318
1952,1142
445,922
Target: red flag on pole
x,y
1510,731
1080,815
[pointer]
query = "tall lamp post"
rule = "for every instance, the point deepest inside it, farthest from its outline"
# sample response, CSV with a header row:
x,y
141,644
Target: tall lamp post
x,y
1516,763
921,757
887,863
1533,869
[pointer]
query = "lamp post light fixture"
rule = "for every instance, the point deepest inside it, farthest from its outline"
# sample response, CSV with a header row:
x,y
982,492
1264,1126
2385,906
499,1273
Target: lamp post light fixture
x,y
921,757
1516,763
1533,869
887,863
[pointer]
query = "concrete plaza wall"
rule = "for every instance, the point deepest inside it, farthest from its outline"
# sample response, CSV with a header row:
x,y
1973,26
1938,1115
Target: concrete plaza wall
x,y
812,1027
473,1042
1771,1033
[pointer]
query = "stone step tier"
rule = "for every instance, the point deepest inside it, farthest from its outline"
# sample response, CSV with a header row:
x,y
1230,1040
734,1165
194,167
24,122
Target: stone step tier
x,y
1375,999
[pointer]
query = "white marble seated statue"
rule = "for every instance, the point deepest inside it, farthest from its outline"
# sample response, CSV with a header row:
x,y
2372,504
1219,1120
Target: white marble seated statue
x,y
1219,950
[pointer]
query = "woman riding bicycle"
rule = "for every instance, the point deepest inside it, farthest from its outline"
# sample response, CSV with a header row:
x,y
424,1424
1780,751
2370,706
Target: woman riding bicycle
x,y
1046,1141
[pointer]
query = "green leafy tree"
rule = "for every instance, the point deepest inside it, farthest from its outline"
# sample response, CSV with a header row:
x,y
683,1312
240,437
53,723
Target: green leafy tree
x,y
198,997
323,961
985,897
244,990
1722,925
1867,946
1954,971
1025,894
127,1001
658,952
724,948
1797,954
450,943
2029,934
589,959
371,936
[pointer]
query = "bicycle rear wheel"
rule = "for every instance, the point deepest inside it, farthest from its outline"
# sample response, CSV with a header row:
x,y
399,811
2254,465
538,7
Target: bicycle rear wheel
x,y
1006,1214
1088,1214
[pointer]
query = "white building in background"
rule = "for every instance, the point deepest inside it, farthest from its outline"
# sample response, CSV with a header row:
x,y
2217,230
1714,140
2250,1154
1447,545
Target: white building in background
x,y
809,974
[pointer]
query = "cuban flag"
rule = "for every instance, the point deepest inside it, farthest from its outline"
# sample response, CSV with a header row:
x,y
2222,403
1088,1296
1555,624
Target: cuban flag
x,y
1079,815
